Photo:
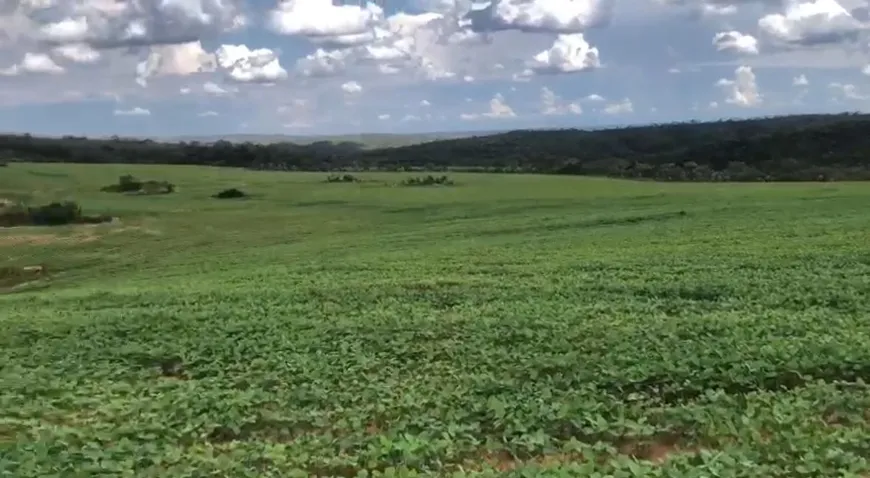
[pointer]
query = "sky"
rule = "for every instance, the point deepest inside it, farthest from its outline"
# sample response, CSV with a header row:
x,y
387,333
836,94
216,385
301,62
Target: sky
x,y
311,67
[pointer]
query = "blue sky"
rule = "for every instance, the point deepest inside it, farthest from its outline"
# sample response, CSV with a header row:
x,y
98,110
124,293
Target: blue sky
x,y
303,67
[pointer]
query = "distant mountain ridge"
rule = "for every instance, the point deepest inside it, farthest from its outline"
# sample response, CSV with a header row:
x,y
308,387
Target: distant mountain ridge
x,y
820,147
365,140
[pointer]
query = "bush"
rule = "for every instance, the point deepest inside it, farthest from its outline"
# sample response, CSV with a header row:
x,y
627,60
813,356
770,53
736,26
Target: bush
x,y
56,214
342,178
131,185
428,181
53,214
231,193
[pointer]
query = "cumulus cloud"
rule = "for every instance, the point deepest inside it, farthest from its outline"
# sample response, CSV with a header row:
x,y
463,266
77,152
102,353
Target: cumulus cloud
x,y
351,87
78,50
736,42
811,22
847,91
706,8
213,88
621,107
320,18
180,59
136,111
33,63
743,89
568,54
77,53
323,62
498,108
551,16
250,66
552,104
111,24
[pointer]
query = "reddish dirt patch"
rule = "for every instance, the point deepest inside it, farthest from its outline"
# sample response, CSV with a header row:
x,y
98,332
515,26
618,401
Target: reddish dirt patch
x,y
46,239
503,461
373,428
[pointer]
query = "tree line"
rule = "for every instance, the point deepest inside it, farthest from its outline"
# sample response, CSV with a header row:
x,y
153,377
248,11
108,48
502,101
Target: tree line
x,y
785,148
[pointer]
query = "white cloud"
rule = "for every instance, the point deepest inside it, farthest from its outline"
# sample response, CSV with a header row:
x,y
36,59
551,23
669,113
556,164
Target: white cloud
x,y
320,18
568,54
351,87
743,89
323,63
848,91
736,42
33,63
551,104
554,16
250,66
353,61
111,24
206,114
180,59
811,22
213,88
622,107
498,108
136,111
77,53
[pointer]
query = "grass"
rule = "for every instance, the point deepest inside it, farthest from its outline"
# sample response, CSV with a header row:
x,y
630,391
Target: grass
x,y
511,325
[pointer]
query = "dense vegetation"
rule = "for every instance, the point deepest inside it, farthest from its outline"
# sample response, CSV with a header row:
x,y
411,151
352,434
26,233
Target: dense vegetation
x,y
53,214
428,180
130,185
790,148
515,325
231,193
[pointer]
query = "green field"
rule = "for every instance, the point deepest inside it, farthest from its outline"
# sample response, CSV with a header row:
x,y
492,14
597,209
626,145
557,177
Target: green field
x,y
509,325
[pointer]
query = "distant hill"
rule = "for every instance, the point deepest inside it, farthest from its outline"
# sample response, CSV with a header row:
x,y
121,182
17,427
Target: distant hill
x,y
785,148
365,140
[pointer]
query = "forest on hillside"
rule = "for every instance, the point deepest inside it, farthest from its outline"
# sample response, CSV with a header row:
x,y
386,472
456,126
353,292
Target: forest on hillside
x,y
785,148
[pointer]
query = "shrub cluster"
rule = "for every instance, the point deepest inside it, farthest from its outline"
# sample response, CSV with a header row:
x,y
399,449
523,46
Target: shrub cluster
x,y
231,193
428,181
130,185
53,214
342,178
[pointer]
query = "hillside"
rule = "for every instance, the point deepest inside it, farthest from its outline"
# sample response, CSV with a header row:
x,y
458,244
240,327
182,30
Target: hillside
x,y
364,140
509,326
788,148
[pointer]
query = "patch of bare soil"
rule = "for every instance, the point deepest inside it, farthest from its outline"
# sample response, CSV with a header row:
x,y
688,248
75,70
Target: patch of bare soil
x,y
47,239
657,451
146,230
14,276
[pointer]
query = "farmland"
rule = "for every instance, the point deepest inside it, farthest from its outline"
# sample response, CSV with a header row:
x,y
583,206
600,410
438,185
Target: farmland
x,y
507,325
